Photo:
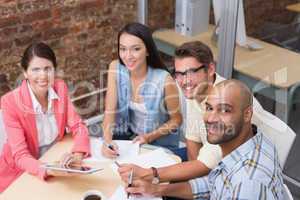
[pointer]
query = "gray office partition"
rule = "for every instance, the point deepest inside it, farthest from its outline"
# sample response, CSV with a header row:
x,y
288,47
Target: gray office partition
x,y
227,36
142,10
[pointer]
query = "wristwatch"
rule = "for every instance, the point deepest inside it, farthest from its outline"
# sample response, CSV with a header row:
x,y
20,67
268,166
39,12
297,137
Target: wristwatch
x,y
155,179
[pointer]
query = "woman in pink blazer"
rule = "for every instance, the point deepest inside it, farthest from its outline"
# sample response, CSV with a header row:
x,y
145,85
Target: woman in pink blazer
x,y
36,115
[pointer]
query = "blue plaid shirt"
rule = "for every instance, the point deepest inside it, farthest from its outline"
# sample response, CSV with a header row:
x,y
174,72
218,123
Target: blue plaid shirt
x,y
252,171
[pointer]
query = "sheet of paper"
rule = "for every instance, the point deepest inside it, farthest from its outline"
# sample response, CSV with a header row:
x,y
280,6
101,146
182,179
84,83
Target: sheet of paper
x,y
156,158
127,149
120,194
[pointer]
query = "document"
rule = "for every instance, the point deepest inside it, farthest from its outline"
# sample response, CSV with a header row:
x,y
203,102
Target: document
x,y
156,158
127,149
120,193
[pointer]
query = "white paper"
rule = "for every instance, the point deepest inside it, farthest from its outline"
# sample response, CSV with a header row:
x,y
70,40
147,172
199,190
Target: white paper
x,y
120,194
157,158
127,149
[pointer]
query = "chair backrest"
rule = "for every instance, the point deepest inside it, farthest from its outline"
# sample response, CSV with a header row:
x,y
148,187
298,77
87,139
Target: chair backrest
x,y
2,132
286,193
276,130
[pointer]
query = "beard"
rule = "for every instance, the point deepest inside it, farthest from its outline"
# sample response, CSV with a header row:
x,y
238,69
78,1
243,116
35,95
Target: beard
x,y
223,133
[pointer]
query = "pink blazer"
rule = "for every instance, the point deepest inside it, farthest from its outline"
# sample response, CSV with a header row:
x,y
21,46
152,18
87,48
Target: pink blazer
x,y
21,151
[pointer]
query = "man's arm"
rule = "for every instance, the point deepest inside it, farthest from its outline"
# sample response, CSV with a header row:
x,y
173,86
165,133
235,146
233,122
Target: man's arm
x,y
178,172
183,171
194,189
192,149
180,190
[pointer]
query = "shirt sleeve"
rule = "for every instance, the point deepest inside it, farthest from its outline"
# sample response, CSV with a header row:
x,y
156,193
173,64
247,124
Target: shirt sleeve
x,y
194,125
191,130
200,188
252,189
210,155
78,128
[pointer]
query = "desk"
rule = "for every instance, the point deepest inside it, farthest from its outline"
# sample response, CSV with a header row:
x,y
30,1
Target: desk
x,y
272,71
295,8
62,188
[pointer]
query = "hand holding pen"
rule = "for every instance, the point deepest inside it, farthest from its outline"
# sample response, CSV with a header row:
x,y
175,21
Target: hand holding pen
x,y
110,150
130,179
139,187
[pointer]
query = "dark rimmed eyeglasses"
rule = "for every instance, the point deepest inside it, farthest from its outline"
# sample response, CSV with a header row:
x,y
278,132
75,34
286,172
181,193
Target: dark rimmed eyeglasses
x,y
188,72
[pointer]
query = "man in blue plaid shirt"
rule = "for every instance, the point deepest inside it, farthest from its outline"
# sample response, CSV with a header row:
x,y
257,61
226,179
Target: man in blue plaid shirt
x,y
249,169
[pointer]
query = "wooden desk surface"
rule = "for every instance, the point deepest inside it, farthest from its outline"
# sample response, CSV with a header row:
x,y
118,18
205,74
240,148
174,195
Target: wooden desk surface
x,y
294,7
269,64
62,188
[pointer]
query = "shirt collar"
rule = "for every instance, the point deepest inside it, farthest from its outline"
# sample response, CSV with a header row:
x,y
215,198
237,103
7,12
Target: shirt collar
x,y
229,161
35,103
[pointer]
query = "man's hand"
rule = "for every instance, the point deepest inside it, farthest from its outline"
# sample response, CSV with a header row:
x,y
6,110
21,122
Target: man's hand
x,y
144,188
139,172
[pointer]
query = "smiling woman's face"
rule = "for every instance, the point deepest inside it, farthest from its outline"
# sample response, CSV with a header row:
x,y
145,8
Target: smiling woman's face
x,y
40,75
132,51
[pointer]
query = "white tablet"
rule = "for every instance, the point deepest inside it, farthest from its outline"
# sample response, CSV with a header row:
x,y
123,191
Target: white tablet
x,y
81,170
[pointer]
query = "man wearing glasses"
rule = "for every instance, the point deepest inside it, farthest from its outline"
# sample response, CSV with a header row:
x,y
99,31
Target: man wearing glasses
x,y
195,73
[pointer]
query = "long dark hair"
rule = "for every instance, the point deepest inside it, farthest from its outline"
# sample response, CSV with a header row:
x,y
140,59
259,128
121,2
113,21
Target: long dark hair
x,y
39,49
141,31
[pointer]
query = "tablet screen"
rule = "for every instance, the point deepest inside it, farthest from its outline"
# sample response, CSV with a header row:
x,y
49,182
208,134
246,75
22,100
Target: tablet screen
x,y
81,169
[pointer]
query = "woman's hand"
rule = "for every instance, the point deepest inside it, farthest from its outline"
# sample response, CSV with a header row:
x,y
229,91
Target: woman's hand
x,y
110,150
68,160
72,160
51,172
142,139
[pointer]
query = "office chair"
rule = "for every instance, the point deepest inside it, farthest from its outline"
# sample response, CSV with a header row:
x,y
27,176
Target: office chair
x,y
276,130
286,193
282,137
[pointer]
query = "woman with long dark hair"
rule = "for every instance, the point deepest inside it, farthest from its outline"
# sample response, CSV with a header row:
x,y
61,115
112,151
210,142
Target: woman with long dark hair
x,y
142,98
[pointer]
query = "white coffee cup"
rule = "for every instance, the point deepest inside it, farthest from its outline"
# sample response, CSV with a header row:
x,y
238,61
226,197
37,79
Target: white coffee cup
x,y
91,193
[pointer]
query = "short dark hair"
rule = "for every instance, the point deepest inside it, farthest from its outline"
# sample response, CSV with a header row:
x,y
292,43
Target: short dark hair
x,y
39,49
195,49
141,31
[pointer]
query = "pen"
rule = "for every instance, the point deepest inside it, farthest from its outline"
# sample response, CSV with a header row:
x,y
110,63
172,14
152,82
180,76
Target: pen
x,y
130,179
110,146
118,164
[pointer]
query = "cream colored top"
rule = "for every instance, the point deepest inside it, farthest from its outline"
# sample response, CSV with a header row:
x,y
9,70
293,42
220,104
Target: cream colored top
x,y
194,129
